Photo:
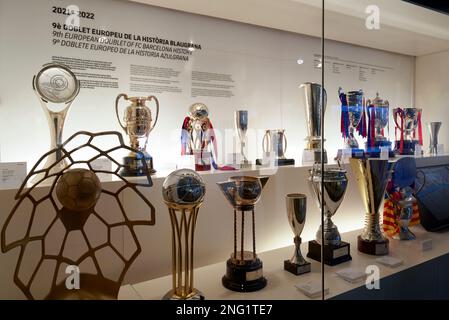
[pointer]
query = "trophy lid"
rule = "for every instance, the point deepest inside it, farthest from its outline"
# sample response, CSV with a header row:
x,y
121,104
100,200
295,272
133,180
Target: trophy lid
x,y
198,111
56,83
183,187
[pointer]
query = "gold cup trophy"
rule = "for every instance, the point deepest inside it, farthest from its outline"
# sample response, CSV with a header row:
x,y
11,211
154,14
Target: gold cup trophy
x,y
138,123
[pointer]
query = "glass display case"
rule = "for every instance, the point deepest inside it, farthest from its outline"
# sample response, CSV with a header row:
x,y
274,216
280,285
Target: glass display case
x,y
298,146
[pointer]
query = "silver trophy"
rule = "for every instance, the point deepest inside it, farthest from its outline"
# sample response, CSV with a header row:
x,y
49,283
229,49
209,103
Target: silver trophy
x,y
372,176
434,128
241,126
275,143
407,121
56,87
296,214
405,214
354,101
378,113
335,185
311,93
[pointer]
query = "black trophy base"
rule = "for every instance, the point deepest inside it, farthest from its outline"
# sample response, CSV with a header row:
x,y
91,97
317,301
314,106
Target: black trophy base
x,y
297,269
408,147
244,278
375,248
332,255
278,162
133,166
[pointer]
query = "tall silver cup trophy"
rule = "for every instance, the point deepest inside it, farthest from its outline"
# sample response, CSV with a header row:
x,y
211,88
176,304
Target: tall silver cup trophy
x,y
296,214
311,93
56,86
138,123
335,251
434,128
241,126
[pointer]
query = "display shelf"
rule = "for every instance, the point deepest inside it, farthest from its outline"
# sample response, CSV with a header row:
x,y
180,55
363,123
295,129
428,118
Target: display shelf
x,y
281,284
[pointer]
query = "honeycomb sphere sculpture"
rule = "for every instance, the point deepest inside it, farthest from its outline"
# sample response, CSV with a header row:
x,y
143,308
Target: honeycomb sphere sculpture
x,y
78,189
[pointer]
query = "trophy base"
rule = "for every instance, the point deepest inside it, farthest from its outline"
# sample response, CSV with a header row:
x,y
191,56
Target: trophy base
x,y
202,167
194,295
332,255
313,155
297,269
374,152
408,147
133,166
278,162
404,234
357,153
247,277
375,248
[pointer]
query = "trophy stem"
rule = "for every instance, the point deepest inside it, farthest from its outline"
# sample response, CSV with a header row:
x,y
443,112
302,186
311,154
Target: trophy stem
x,y
254,235
183,229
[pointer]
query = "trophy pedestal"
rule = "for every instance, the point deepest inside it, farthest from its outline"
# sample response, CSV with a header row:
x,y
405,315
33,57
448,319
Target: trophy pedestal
x,y
133,165
374,152
376,248
194,295
297,269
332,255
278,162
408,147
245,277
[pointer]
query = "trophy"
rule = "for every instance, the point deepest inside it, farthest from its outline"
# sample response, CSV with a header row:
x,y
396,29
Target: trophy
x,y
241,126
378,112
244,269
434,128
372,176
296,214
352,119
183,192
335,251
137,125
55,84
274,143
313,103
408,121
401,194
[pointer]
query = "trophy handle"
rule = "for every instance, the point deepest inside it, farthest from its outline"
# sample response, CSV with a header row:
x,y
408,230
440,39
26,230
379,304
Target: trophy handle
x,y
285,143
395,116
157,110
423,183
266,141
116,109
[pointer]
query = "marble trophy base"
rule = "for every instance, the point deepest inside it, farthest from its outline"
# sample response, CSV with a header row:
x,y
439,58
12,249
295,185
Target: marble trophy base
x,y
374,152
375,248
246,276
278,162
408,147
332,254
133,166
194,295
297,269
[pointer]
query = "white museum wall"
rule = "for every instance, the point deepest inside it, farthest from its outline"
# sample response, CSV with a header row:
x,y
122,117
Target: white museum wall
x,y
432,94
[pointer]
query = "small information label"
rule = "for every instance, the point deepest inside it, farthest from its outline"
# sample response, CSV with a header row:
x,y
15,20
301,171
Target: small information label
x,y
426,245
440,149
308,157
390,261
12,174
312,289
384,153
352,275
340,252
418,150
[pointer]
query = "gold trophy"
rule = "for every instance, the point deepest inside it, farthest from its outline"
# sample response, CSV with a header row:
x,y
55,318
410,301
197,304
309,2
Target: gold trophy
x,y
137,125
183,192
56,87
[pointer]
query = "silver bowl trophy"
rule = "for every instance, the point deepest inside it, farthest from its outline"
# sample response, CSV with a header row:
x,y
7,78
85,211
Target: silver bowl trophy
x,y
296,214
183,192
244,271
311,93
353,111
434,128
378,111
372,176
241,126
138,123
402,194
407,121
57,85
274,146
335,251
